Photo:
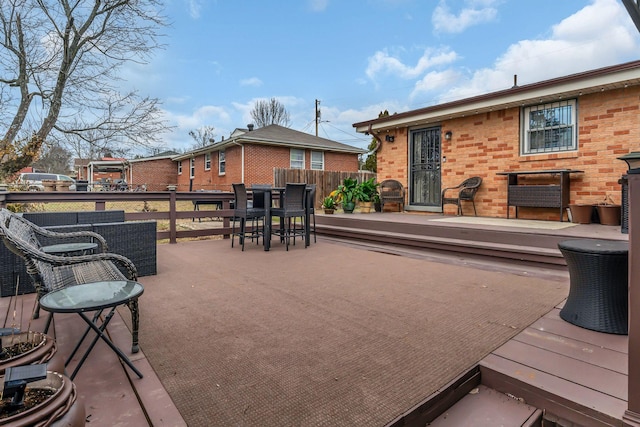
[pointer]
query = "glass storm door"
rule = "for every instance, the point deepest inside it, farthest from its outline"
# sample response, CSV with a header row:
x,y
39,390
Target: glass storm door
x,y
425,167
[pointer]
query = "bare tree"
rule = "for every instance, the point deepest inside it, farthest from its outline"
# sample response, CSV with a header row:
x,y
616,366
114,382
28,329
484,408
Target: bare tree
x,y
59,63
270,112
203,136
54,159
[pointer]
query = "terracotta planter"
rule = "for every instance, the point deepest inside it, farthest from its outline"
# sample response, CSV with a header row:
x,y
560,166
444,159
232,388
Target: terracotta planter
x,y
45,351
609,214
61,409
581,214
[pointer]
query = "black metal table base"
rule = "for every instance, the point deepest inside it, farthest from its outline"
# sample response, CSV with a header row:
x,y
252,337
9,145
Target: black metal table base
x,y
99,330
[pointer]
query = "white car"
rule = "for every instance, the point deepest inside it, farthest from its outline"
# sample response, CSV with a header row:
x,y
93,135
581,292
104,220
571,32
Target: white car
x,y
33,180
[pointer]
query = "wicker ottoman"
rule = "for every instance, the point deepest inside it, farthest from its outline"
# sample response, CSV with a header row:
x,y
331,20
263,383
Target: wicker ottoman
x,y
598,293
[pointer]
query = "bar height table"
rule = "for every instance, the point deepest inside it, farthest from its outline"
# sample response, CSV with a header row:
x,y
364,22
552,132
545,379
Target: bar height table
x,y
599,284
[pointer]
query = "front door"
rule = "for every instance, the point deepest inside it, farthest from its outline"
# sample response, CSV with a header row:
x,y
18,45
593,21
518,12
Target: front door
x,y
425,167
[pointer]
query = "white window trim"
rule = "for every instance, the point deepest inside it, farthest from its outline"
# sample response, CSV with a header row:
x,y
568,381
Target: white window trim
x,y
525,146
180,167
192,168
222,160
321,162
207,161
292,160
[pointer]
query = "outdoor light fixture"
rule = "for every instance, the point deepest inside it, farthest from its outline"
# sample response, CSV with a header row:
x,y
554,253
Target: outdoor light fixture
x,y
389,138
632,159
448,135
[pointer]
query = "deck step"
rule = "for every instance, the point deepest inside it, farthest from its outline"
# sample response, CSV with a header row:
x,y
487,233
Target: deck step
x,y
509,245
485,407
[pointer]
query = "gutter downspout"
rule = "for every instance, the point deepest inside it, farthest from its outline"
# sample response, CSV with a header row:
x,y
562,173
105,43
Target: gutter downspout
x,y
377,138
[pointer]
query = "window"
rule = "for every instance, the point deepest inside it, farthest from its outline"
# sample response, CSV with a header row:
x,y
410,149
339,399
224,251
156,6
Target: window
x,y
221,163
192,168
180,168
317,160
296,160
207,161
549,128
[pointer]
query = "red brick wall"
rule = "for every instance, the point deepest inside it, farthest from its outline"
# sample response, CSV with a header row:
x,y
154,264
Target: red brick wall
x,y
486,144
259,161
155,174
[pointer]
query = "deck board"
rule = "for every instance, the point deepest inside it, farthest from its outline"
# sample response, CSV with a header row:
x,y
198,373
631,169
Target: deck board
x,y
564,369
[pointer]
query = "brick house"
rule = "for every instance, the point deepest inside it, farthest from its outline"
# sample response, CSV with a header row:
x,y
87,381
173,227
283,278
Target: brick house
x,y
155,173
250,156
581,122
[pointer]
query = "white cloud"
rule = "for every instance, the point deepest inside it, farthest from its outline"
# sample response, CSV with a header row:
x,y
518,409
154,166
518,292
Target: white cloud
x,y
435,81
252,81
598,35
474,13
318,5
383,63
194,6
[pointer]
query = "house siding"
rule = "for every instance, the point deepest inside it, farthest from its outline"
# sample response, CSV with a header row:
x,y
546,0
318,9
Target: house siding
x,y
488,143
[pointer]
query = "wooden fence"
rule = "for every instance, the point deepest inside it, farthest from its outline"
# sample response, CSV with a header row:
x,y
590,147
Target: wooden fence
x,y
326,181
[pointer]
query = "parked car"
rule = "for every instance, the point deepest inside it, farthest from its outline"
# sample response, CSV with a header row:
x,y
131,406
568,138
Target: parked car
x,y
33,180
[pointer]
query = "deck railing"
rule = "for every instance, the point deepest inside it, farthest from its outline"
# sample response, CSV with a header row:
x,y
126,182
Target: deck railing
x,y
170,198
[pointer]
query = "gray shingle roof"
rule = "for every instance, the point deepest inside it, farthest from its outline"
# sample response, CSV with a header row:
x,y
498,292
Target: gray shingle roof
x,y
279,136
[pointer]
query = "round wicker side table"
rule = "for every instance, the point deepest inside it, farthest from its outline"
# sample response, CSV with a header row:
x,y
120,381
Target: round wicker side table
x,y
598,293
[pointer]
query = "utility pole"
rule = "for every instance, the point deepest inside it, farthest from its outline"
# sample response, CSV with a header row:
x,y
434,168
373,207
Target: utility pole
x,y
317,115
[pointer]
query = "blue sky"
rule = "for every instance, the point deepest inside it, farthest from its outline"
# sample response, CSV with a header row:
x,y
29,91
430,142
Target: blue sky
x,y
360,57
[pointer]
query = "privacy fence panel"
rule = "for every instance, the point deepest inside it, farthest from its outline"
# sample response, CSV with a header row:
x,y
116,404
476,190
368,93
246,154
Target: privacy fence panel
x,y
326,181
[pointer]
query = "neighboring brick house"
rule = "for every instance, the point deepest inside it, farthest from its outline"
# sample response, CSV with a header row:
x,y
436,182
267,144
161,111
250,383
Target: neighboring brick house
x,y
583,121
250,156
154,173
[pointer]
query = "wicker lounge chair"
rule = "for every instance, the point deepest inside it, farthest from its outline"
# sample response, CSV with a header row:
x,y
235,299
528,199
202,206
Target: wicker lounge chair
x,y
391,191
52,272
467,190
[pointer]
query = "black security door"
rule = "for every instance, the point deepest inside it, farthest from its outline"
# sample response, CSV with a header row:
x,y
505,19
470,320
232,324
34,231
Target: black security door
x,y
425,167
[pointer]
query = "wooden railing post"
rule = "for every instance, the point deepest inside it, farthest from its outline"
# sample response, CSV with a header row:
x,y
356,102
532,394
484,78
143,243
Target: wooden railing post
x,y
631,416
172,213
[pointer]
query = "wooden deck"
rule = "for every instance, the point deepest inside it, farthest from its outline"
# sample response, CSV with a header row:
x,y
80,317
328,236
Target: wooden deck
x,y
571,375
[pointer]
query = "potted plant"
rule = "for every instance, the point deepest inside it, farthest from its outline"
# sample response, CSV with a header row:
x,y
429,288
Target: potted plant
x,y
329,205
581,213
609,212
368,191
347,194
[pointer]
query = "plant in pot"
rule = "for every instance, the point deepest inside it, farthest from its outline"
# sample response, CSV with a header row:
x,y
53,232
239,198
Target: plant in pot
x,y
328,204
609,212
369,189
347,194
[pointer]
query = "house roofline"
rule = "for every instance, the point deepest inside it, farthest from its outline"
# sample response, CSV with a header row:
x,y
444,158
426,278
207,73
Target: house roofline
x,y
573,85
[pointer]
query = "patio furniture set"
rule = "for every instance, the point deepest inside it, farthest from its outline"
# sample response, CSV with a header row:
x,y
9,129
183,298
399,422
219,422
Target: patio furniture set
x,y
295,201
76,274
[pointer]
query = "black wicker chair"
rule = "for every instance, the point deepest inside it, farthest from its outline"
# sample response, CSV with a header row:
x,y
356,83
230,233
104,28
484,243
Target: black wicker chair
x,y
242,212
293,207
467,190
391,191
52,272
